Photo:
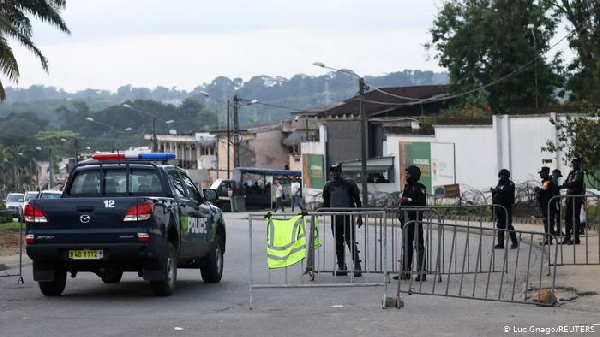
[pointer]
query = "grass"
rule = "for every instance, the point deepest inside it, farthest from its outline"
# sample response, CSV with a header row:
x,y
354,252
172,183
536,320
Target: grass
x,y
10,225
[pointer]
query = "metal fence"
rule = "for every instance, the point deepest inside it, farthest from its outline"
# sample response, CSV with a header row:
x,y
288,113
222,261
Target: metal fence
x,y
466,265
564,216
320,267
461,256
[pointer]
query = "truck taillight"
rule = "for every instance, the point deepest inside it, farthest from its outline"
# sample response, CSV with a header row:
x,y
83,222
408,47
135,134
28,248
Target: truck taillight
x,y
34,213
139,212
30,238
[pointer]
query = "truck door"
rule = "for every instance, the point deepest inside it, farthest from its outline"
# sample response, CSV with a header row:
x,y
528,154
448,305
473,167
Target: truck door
x,y
199,224
187,209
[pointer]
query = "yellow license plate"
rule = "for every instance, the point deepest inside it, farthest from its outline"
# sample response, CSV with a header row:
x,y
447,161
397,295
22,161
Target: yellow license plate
x,y
86,254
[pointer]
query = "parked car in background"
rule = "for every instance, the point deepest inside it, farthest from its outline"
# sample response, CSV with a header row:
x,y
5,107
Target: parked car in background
x,y
14,204
49,194
28,196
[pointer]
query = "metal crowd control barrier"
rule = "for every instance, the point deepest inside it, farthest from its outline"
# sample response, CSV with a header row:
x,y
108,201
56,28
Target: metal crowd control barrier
x,y
587,252
457,273
320,266
20,272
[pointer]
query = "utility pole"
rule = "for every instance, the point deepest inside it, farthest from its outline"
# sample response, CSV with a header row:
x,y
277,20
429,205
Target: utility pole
x,y
76,151
228,144
363,142
154,147
236,132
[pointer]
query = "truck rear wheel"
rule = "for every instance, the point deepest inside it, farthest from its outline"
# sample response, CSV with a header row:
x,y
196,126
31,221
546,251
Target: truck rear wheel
x,y
166,287
56,286
212,270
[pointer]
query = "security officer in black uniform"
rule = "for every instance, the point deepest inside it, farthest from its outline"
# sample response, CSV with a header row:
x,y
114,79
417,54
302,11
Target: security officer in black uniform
x,y
414,194
557,203
545,192
574,186
504,195
340,192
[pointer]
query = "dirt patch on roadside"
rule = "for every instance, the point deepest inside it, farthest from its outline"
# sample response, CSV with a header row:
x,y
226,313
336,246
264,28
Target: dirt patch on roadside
x,y
9,242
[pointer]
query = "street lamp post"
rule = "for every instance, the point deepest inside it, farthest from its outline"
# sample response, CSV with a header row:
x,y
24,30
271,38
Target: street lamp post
x,y
154,140
111,129
236,131
531,27
363,129
228,144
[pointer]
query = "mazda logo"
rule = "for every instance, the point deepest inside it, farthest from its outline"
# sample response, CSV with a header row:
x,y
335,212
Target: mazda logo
x,y
84,218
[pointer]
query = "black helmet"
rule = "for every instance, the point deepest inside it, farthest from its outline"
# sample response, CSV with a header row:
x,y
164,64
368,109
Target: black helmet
x,y
414,171
504,172
336,168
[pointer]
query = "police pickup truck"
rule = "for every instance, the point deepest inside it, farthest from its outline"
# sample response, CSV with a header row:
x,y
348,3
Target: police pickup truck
x,y
117,215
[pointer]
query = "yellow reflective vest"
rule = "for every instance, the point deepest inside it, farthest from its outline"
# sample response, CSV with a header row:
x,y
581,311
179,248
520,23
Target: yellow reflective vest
x,y
286,241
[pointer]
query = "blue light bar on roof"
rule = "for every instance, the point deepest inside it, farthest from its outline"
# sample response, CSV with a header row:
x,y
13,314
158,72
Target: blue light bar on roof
x,y
157,156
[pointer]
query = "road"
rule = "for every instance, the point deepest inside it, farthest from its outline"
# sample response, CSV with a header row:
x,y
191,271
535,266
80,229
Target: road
x,y
89,307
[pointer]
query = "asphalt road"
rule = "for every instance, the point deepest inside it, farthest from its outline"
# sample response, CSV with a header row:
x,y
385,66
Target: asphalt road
x,y
90,308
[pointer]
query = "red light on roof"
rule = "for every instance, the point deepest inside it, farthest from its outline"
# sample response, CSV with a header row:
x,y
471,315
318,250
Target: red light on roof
x,y
108,156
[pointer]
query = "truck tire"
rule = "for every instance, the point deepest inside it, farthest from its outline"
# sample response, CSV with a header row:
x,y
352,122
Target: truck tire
x,y
226,207
166,287
56,286
212,269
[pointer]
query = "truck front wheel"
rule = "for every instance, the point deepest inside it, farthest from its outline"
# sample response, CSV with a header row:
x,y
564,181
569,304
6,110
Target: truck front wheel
x,y
166,287
212,269
56,286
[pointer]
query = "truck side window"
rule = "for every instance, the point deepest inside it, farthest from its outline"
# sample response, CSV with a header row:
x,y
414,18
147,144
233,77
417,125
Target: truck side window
x,y
178,188
192,191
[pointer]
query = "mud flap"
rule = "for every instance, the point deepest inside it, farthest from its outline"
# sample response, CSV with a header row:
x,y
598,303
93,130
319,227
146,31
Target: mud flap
x,y
43,271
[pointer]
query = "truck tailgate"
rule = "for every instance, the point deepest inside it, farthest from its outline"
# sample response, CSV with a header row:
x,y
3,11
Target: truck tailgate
x,y
87,220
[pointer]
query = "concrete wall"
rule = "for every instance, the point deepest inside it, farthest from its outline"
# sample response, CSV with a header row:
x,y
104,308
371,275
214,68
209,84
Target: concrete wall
x,y
511,142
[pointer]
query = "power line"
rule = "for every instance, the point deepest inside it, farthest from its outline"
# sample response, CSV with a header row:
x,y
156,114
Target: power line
x,y
514,73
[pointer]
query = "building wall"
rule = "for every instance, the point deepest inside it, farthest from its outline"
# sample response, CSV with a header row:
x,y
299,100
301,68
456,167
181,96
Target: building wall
x,y
264,150
511,142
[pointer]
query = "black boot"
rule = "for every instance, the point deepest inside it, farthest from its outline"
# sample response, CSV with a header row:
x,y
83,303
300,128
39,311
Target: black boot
x,y
341,271
513,240
500,244
357,269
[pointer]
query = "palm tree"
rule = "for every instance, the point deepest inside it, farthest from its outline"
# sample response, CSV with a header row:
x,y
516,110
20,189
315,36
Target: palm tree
x,y
15,24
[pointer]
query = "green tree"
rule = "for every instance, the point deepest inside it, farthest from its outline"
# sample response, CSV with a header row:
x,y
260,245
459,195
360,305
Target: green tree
x,y
482,41
15,23
584,18
579,137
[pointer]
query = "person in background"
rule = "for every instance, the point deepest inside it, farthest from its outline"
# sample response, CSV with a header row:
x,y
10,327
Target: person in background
x,y
279,196
557,203
545,192
504,195
296,194
414,194
340,192
574,186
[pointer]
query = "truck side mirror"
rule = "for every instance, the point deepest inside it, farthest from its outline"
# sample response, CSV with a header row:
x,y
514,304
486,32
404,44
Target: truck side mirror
x,y
210,195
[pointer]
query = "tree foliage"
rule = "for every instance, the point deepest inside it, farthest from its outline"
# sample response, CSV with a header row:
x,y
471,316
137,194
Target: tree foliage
x,y
584,19
483,41
15,23
579,137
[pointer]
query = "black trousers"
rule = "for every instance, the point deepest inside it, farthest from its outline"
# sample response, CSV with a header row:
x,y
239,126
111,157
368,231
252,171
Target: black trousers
x,y
410,237
548,221
342,227
504,218
572,215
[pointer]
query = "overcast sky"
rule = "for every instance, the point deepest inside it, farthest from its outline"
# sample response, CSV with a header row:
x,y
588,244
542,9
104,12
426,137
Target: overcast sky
x,y
183,43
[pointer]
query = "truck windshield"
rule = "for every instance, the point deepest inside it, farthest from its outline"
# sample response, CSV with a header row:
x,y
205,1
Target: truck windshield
x,y
141,182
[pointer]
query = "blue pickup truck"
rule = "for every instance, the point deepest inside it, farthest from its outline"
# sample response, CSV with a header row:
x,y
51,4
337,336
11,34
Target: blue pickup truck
x,y
117,215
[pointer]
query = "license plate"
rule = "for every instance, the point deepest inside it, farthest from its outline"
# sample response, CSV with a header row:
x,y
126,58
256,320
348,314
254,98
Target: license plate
x,y
86,254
